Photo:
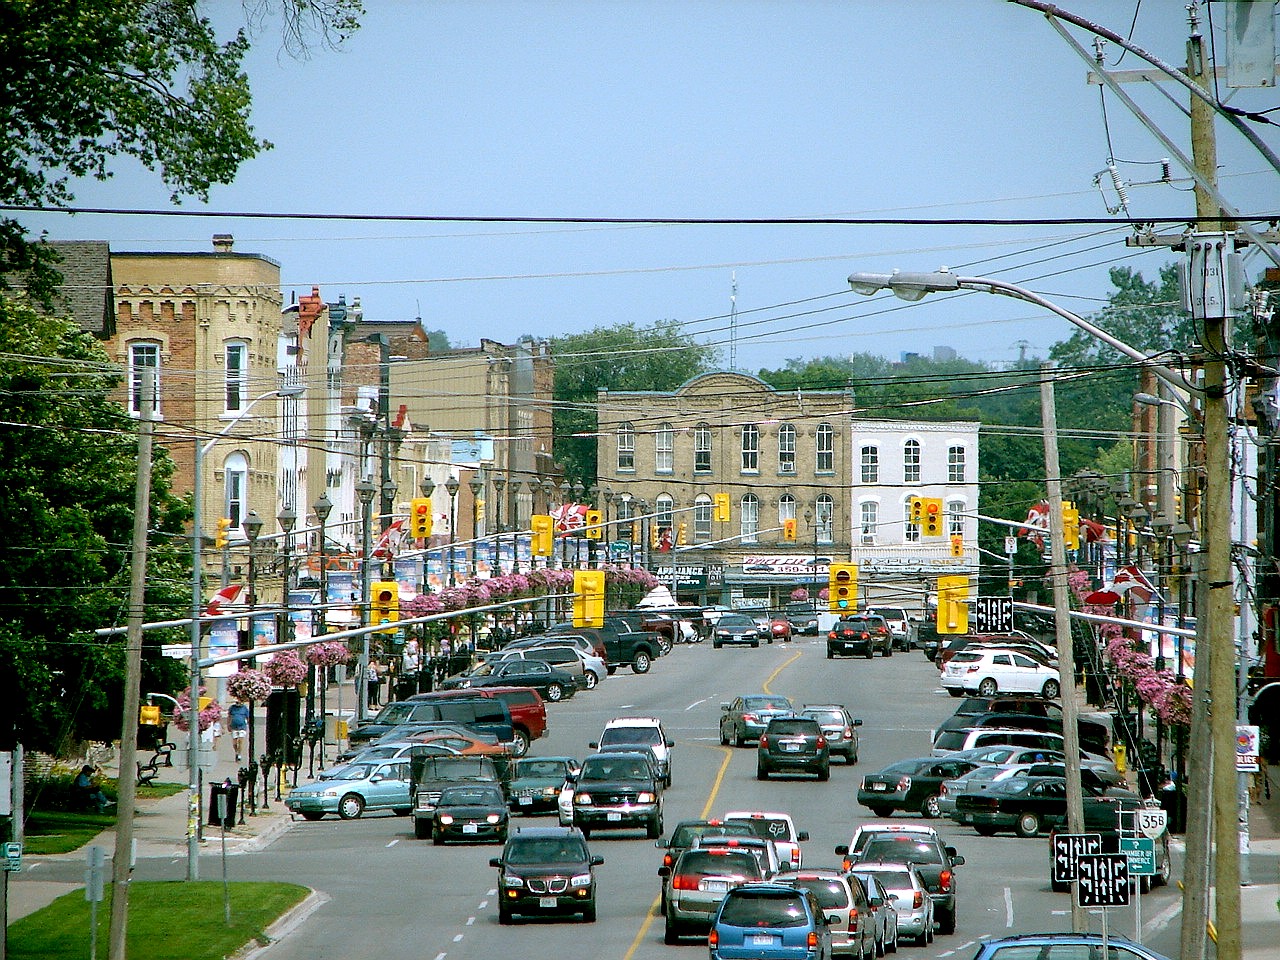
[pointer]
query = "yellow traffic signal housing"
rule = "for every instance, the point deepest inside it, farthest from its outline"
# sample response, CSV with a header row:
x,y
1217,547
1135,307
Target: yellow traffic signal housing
x,y
593,529
149,715
789,530
842,587
953,604
1070,526
916,517
384,603
682,536
222,535
932,526
543,530
957,546
722,507
588,599
420,521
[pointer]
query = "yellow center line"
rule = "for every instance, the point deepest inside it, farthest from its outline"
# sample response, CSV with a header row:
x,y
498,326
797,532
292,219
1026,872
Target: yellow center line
x,y
727,754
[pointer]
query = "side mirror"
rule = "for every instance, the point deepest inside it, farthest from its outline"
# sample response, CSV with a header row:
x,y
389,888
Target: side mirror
x,y
594,745
842,849
376,778
664,871
597,861
957,861
670,743
857,723
724,706
802,835
951,851
832,920
875,902
495,862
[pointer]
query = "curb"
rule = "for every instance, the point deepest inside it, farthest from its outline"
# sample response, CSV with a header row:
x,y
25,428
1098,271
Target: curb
x,y
286,924
266,837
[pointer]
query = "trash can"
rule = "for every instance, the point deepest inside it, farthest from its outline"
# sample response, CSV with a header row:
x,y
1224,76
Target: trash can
x,y
232,793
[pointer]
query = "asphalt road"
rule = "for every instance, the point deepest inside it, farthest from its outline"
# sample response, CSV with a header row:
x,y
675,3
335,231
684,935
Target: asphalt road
x,y
392,896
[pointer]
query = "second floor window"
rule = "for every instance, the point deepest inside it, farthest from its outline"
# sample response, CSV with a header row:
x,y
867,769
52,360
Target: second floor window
x,y
955,518
750,449
870,464
870,520
786,507
911,461
786,448
824,519
825,461
702,448
236,373
955,464
626,447
750,517
702,518
663,507
143,355
236,479
664,450
912,532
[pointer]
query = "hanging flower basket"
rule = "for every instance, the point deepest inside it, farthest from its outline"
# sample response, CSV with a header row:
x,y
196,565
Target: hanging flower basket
x,y
285,669
328,653
249,685
799,594
207,717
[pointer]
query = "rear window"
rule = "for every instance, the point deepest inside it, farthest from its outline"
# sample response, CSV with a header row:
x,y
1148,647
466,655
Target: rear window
x,y
825,716
894,879
684,836
719,863
797,727
831,893
966,657
951,740
902,850
617,735
760,908
473,712
766,828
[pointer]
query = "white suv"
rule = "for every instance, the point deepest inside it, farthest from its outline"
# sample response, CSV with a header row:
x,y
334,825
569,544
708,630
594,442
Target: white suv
x,y
778,827
638,733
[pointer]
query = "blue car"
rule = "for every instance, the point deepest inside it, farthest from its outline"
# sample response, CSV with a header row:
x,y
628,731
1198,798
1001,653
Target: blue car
x,y
356,787
1062,946
769,921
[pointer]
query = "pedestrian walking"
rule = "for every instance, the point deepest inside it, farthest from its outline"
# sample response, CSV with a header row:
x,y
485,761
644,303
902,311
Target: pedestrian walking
x,y
238,722
374,681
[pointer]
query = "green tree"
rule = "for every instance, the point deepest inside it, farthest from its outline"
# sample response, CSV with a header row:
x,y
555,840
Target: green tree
x,y
68,461
620,357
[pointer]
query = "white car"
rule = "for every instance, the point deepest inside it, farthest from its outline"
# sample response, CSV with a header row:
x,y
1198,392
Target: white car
x,y
990,672
639,733
778,827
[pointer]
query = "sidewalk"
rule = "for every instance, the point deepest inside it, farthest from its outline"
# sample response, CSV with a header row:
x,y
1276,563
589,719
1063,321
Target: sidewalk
x,y
1259,915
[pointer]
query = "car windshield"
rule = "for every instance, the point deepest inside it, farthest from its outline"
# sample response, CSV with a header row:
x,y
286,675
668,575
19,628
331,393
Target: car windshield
x,y
719,863
763,908
831,893
353,771
890,613
613,769
617,735
547,850
541,768
394,713
766,703
766,828
902,850
470,796
736,620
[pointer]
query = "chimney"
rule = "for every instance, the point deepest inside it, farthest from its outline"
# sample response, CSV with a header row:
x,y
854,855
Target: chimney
x,y
223,242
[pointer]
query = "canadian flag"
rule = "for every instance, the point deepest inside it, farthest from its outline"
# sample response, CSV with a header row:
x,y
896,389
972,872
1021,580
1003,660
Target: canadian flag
x,y
226,596
1037,523
1129,582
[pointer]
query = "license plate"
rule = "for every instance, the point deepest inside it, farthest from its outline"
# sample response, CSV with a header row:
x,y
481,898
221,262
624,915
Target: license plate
x,y
760,940
613,817
549,902
525,801
881,787
791,748
470,828
716,886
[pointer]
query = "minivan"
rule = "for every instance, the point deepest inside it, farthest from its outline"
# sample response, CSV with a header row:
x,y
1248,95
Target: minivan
x,y
767,920
479,713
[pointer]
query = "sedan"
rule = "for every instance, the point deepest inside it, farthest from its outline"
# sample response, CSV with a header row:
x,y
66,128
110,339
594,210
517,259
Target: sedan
x,y
554,685
469,813
910,785
780,629
1025,805
910,896
736,628
745,718
537,781
881,916
357,788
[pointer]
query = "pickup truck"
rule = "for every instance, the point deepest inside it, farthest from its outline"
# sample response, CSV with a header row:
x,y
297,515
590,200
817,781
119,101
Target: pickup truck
x,y
430,774
623,647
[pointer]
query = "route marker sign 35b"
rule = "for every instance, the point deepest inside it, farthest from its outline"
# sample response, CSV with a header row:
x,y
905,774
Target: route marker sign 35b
x,y
1151,822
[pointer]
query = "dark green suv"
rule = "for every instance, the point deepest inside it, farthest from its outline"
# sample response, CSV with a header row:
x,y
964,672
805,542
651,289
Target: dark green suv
x,y
546,871
793,743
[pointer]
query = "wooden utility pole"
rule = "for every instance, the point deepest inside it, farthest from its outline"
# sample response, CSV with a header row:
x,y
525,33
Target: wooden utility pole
x,y
127,781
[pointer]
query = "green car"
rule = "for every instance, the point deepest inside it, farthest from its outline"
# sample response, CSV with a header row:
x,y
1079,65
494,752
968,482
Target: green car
x,y
536,783
355,788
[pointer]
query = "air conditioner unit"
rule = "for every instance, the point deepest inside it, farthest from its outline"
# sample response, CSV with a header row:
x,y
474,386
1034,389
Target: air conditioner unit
x,y
868,539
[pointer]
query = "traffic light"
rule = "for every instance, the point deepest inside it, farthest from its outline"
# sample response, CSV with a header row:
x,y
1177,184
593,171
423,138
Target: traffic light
x,y
588,598
593,530
655,536
916,517
842,587
222,535
682,536
1070,525
957,546
384,603
543,529
789,530
420,521
932,517
953,604
722,507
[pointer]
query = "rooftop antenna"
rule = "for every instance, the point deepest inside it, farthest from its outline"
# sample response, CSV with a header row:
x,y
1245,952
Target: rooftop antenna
x,y
733,322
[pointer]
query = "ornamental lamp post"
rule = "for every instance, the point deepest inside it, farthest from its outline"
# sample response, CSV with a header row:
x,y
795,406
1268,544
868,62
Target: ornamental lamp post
x,y
388,498
322,508
252,526
499,491
476,483
451,486
517,487
365,491
426,487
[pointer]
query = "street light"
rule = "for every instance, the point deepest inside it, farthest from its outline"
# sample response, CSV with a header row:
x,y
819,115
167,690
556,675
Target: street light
x,y
451,487
252,527
322,508
365,490
477,488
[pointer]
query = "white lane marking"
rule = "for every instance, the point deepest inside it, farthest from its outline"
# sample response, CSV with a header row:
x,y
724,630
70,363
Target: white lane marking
x,y
1061,913
457,938
492,892
1008,907
393,843
441,956
696,703
482,904
1161,919
470,921
625,706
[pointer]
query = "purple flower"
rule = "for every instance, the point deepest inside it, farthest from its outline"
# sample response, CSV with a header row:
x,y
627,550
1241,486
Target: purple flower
x,y
249,685
284,669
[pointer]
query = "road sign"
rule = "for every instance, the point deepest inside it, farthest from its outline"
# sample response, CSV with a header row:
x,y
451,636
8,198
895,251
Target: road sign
x,y
1011,545
1102,880
1067,849
1152,822
993,615
1142,855
12,856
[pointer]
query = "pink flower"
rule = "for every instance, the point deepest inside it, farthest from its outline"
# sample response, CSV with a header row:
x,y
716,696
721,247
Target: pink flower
x,y
249,685
207,717
326,653
285,669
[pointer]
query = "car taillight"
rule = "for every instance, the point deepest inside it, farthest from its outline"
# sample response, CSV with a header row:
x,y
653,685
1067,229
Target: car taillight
x,y
848,733
944,880
764,739
749,718
812,940
918,901
904,784
684,881
853,919
846,864
972,669
831,635
667,859
866,636
822,742
713,939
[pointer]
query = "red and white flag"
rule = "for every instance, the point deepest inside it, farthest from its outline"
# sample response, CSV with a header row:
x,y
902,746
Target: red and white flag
x,y
1036,525
1128,583
390,541
223,598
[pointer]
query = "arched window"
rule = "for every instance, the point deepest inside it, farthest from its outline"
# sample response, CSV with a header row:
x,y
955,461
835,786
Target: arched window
x,y
869,520
750,517
664,449
911,531
824,518
235,374
870,464
236,488
825,459
911,461
702,448
626,448
663,507
787,449
955,518
750,448
143,354
955,464
702,517
786,507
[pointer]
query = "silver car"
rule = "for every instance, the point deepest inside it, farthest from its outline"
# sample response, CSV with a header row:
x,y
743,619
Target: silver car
x,y
699,879
914,906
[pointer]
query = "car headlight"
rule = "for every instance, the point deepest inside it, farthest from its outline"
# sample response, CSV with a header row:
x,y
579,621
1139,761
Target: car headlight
x,y
492,818
581,880
510,881
446,818
582,798
722,633
645,797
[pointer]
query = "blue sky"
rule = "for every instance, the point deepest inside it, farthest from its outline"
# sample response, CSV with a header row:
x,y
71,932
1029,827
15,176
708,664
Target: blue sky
x,y
914,108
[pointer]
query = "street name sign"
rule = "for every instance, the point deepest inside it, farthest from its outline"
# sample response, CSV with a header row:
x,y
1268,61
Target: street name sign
x,y
1102,880
1067,849
1142,855
993,615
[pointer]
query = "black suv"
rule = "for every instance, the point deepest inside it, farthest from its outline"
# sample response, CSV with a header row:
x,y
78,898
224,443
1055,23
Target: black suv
x,y
793,743
546,870
861,635
615,791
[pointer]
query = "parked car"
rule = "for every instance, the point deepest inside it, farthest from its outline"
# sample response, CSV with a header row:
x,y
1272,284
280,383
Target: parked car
x,y
536,782
524,704
793,745
551,683
623,645
775,826
639,733
848,912
1063,946
898,621
383,785
957,741
768,920
991,671
838,727
736,628
935,860
1107,817
745,718
614,791
470,813
911,900
860,635
546,870
565,654
481,714
1024,805
697,882
950,647
910,785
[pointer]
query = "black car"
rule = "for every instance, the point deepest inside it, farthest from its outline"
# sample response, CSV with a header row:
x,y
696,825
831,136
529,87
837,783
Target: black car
x,y
910,785
472,812
616,791
793,744
1027,805
1107,817
735,628
935,860
552,684
546,871
861,635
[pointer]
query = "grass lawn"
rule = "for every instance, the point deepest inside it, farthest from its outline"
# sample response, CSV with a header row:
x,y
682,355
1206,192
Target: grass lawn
x,y
59,831
175,920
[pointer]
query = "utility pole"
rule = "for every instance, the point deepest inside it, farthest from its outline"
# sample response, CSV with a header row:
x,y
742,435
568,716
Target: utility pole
x,y
127,780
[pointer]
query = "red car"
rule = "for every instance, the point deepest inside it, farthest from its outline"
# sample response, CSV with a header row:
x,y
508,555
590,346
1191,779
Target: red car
x,y
780,629
528,712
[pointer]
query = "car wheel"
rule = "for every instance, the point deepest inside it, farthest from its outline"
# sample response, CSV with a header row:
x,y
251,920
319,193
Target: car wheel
x,y
929,808
1028,825
402,811
1051,689
612,669
755,644
824,772
715,644
586,831
520,745
653,829
852,757
882,812
830,654
351,806
312,815
988,688
870,653
929,931
893,947
724,737
771,641
947,925
422,829
738,739
592,680
437,838
555,692
888,651
671,935
880,948
1163,873
504,915
641,663
762,773
589,914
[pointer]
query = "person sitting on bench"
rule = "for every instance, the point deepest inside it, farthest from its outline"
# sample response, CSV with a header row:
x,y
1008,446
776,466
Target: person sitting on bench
x,y
86,791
